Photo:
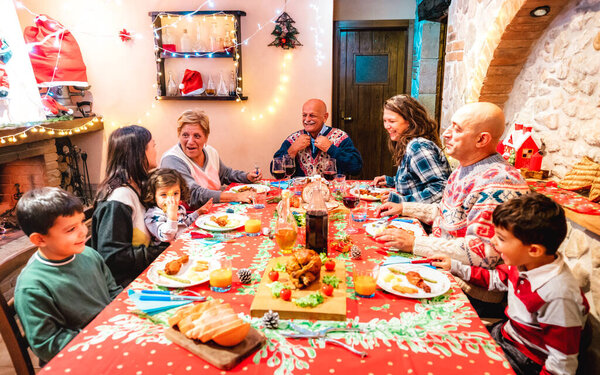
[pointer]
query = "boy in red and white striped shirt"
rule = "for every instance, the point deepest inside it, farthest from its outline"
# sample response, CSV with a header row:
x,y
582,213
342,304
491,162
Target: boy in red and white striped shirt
x,y
546,309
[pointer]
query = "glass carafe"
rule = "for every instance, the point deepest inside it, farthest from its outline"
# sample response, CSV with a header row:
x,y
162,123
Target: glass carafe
x,y
185,42
172,89
286,229
210,87
222,89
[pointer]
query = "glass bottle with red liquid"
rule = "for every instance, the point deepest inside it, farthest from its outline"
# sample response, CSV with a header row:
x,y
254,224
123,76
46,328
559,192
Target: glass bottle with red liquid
x,y
350,201
317,220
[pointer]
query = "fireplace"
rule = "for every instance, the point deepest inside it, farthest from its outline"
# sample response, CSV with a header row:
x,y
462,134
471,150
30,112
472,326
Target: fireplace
x,y
49,162
22,168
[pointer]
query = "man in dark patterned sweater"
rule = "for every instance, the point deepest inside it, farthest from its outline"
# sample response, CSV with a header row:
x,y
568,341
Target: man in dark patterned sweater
x,y
317,142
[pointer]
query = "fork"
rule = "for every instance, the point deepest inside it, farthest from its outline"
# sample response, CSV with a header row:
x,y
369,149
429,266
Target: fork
x,y
307,334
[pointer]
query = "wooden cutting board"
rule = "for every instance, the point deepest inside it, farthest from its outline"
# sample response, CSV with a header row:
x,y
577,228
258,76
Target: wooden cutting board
x,y
334,307
219,356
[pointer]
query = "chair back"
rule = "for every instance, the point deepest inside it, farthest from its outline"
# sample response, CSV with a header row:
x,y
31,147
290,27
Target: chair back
x,y
15,341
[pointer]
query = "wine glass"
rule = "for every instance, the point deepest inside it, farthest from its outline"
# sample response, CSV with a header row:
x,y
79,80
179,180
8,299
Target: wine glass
x,y
339,182
351,201
329,169
289,164
278,169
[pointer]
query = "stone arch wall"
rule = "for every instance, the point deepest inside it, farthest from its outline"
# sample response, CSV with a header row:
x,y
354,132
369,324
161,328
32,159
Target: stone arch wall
x,y
488,43
557,90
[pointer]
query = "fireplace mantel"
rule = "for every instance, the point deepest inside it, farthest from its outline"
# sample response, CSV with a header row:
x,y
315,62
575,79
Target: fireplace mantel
x,y
39,131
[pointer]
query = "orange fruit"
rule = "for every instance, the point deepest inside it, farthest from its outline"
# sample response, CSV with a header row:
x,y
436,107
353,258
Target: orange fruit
x,y
233,336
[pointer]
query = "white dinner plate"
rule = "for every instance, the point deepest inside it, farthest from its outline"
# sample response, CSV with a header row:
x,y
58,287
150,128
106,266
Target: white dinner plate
x,y
186,272
386,280
330,205
374,228
234,221
257,188
373,193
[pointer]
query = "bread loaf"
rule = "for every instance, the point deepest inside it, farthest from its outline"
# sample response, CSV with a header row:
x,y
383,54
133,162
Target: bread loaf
x,y
582,175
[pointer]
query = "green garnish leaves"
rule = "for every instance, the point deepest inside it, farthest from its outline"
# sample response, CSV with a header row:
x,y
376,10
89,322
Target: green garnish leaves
x,y
277,287
279,267
332,280
311,300
300,218
323,257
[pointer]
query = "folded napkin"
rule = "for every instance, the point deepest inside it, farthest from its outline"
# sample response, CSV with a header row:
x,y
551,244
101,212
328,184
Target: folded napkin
x,y
153,307
280,184
198,235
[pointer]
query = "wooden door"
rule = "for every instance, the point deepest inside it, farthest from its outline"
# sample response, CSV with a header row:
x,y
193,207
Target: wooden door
x,y
371,64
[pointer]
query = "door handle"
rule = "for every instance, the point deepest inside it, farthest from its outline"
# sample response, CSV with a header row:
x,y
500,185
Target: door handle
x,y
344,118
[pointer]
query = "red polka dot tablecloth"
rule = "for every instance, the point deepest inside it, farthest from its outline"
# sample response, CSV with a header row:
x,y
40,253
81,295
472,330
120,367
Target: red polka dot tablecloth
x,y
442,335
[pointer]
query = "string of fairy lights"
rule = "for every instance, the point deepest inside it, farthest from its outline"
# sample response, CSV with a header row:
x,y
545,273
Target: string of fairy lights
x,y
161,53
41,129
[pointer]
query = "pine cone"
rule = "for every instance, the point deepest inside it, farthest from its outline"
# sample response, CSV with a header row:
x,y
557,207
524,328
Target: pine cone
x,y
355,252
271,320
245,275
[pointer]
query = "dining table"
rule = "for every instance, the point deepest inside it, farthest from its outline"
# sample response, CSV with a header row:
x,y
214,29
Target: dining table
x,y
440,335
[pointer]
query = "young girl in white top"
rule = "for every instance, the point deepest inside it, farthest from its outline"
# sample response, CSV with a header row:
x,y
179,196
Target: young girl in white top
x,y
166,218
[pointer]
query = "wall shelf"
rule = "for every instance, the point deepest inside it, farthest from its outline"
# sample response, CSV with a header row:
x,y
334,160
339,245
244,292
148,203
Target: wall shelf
x,y
203,97
196,55
229,24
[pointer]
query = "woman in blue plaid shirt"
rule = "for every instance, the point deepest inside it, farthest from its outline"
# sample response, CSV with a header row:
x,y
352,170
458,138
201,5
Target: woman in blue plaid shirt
x,y
416,149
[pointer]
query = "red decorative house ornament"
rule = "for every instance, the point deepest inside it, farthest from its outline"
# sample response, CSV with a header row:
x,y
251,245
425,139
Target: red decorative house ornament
x,y
525,147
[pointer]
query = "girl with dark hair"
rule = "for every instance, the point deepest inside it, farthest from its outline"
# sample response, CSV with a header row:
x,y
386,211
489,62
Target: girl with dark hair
x,y
416,149
119,233
166,218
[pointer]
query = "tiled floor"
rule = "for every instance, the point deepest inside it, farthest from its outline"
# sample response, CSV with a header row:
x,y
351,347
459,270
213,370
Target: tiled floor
x,y
6,367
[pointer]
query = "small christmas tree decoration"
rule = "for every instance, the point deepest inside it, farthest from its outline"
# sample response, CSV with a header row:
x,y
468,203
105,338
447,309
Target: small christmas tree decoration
x,y
271,320
285,33
245,275
355,252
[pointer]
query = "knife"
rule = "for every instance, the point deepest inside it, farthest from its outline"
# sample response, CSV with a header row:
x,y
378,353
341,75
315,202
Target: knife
x,y
159,297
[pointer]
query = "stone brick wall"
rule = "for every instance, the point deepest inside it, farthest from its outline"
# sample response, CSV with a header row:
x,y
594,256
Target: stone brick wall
x,y
468,25
426,58
557,91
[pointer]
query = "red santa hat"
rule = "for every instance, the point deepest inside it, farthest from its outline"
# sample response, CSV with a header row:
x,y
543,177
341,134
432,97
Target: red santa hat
x,y
191,84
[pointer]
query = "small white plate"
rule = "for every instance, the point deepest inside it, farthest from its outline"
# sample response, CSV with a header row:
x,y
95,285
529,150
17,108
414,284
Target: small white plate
x,y
374,229
368,197
234,221
257,188
186,272
440,287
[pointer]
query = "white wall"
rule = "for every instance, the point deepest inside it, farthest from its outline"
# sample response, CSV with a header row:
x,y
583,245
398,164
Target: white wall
x,y
374,10
122,74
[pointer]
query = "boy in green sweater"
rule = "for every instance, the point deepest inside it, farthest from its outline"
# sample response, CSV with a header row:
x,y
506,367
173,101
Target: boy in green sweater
x,y
65,284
